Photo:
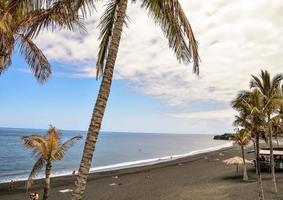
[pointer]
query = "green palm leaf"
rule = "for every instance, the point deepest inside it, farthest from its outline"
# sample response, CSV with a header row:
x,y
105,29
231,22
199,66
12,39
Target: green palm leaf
x,y
35,58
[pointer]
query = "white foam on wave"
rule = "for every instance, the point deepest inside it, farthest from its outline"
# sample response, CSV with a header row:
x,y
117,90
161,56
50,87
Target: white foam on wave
x,y
129,164
151,161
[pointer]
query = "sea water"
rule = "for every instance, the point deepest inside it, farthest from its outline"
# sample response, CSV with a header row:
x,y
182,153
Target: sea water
x,y
113,150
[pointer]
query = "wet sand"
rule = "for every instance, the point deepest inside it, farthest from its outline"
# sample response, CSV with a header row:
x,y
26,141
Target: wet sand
x,y
199,177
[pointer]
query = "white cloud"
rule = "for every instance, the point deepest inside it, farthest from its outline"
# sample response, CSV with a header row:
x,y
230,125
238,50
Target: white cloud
x,y
236,39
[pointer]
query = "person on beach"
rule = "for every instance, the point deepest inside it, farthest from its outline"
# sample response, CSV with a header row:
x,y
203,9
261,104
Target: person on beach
x,y
11,185
33,196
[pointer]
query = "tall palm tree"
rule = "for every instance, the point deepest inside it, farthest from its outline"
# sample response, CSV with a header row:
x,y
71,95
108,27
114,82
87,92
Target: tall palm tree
x,y
250,106
166,13
268,88
242,138
21,21
47,149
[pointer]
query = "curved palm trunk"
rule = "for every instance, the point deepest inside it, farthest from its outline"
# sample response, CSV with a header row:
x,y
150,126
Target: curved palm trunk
x,y
245,174
272,157
47,180
260,187
100,105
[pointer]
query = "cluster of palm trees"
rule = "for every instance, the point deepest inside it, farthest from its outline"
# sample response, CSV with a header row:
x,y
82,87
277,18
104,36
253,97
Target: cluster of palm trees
x,y
260,112
22,20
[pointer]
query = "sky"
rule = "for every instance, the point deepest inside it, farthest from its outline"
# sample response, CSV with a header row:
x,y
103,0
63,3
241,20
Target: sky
x,y
151,91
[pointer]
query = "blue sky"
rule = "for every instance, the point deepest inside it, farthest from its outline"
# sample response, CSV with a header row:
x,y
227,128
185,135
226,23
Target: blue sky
x,y
64,101
67,102
151,91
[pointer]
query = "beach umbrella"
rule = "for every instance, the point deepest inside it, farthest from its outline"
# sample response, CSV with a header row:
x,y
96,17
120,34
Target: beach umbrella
x,y
236,161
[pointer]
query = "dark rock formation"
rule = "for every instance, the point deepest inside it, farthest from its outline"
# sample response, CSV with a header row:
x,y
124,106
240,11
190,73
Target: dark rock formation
x,y
225,136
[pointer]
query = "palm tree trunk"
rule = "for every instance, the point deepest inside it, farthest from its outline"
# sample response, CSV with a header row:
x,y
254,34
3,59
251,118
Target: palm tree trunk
x,y
260,187
101,102
255,155
47,180
272,157
245,174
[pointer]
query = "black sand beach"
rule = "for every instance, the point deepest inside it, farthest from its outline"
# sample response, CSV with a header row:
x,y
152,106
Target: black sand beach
x,y
199,177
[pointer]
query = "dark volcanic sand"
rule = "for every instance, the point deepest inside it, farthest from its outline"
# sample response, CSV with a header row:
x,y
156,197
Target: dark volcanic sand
x,y
200,177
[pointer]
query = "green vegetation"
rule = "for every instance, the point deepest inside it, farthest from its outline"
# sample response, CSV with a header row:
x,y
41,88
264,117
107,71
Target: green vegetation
x,y
46,149
260,113
22,21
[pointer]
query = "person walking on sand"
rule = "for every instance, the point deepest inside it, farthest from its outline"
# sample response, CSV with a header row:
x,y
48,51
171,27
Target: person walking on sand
x,y
11,185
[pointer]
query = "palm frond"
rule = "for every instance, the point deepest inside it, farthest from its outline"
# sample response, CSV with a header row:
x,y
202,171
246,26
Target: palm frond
x,y
60,152
54,138
5,20
275,83
14,4
190,35
68,144
84,6
57,16
53,134
35,58
169,15
36,142
6,49
2,5
106,24
242,137
35,170
256,83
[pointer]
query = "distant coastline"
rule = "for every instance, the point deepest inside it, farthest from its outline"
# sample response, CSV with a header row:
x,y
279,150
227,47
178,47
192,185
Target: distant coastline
x,y
225,136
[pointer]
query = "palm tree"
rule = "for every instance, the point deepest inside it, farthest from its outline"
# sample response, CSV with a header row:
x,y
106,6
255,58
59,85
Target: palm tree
x,y
277,120
242,138
166,13
276,126
269,90
249,104
21,22
47,149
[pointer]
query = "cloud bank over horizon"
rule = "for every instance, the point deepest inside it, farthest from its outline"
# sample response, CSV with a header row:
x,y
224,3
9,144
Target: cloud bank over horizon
x,y
236,39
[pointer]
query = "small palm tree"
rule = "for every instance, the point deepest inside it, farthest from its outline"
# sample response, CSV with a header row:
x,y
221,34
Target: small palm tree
x,y
268,88
21,22
47,149
250,106
169,15
242,138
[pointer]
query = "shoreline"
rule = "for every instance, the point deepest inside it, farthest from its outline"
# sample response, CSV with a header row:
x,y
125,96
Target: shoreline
x,y
189,156
198,177
133,164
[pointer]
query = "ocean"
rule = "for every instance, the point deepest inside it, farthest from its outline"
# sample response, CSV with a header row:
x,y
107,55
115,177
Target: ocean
x,y
114,150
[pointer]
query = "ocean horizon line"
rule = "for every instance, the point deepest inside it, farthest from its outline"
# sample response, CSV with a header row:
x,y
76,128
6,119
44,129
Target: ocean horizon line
x,y
108,131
